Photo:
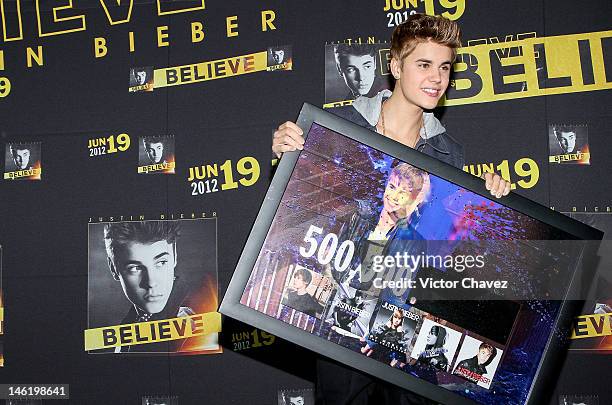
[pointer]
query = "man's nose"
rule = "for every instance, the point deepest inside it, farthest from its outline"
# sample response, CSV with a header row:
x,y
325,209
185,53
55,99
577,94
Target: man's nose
x,y
151,279
435,76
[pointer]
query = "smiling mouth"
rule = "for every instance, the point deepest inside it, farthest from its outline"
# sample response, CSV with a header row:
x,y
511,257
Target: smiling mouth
x,y
392,204
431,92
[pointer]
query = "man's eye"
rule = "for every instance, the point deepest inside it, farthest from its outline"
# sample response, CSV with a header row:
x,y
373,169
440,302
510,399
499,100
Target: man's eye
x,y
423,65
161,263
445,68
134,269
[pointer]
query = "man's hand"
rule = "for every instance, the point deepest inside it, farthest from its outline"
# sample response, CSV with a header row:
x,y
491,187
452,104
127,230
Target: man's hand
x,y
288,137
496,185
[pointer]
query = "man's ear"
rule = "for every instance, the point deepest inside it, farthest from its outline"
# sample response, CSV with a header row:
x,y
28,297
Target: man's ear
x,y
396,68
113,269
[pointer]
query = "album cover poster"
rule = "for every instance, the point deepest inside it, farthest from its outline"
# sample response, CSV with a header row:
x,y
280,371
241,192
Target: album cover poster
x,y
141,79
477,361
280,58
350,313
295,396
331,222
22,161
152,287
156,155
355,70
306,291
568,144
436,344
392,333
160,400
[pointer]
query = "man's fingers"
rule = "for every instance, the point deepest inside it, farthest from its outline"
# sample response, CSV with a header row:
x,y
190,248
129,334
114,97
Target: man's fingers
x,y
286,139
507,188
495,186
488,182
292,126
280,134
291,141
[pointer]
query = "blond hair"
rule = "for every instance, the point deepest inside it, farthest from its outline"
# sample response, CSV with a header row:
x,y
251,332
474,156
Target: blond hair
x,y
420,28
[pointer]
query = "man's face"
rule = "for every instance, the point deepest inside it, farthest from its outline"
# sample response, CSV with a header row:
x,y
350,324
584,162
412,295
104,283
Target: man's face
x,y
155,151
296,400
483,355
278,55
146,273
399,195
141,77
423,77
567,140
21,157
396,321
431,338
299,283
358,72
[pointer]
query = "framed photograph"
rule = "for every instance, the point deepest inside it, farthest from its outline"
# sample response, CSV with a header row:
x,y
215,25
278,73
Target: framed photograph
x,y
401,266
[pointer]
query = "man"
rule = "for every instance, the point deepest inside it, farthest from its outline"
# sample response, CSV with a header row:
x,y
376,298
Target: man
x,y
434,352
423,49
566,139
475,367
385,233
278,55
154,147
142,258
298,298
139,77
356,65
21,156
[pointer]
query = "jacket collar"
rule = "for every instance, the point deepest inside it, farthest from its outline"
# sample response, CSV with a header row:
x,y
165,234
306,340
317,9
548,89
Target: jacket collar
x,y
370,108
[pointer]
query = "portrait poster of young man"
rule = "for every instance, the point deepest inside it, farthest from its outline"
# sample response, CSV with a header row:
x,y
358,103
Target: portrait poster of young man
x,y
147,271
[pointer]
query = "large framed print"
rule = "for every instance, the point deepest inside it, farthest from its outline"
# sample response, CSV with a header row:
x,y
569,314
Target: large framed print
x,y
401,266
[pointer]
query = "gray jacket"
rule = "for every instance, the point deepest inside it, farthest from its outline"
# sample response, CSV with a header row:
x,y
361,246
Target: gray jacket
x,y
434,141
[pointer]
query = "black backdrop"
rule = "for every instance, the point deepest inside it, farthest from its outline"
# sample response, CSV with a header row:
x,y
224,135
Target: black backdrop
x,y
74,97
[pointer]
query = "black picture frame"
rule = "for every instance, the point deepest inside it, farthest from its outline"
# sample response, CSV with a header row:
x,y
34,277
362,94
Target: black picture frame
x,y
554,352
